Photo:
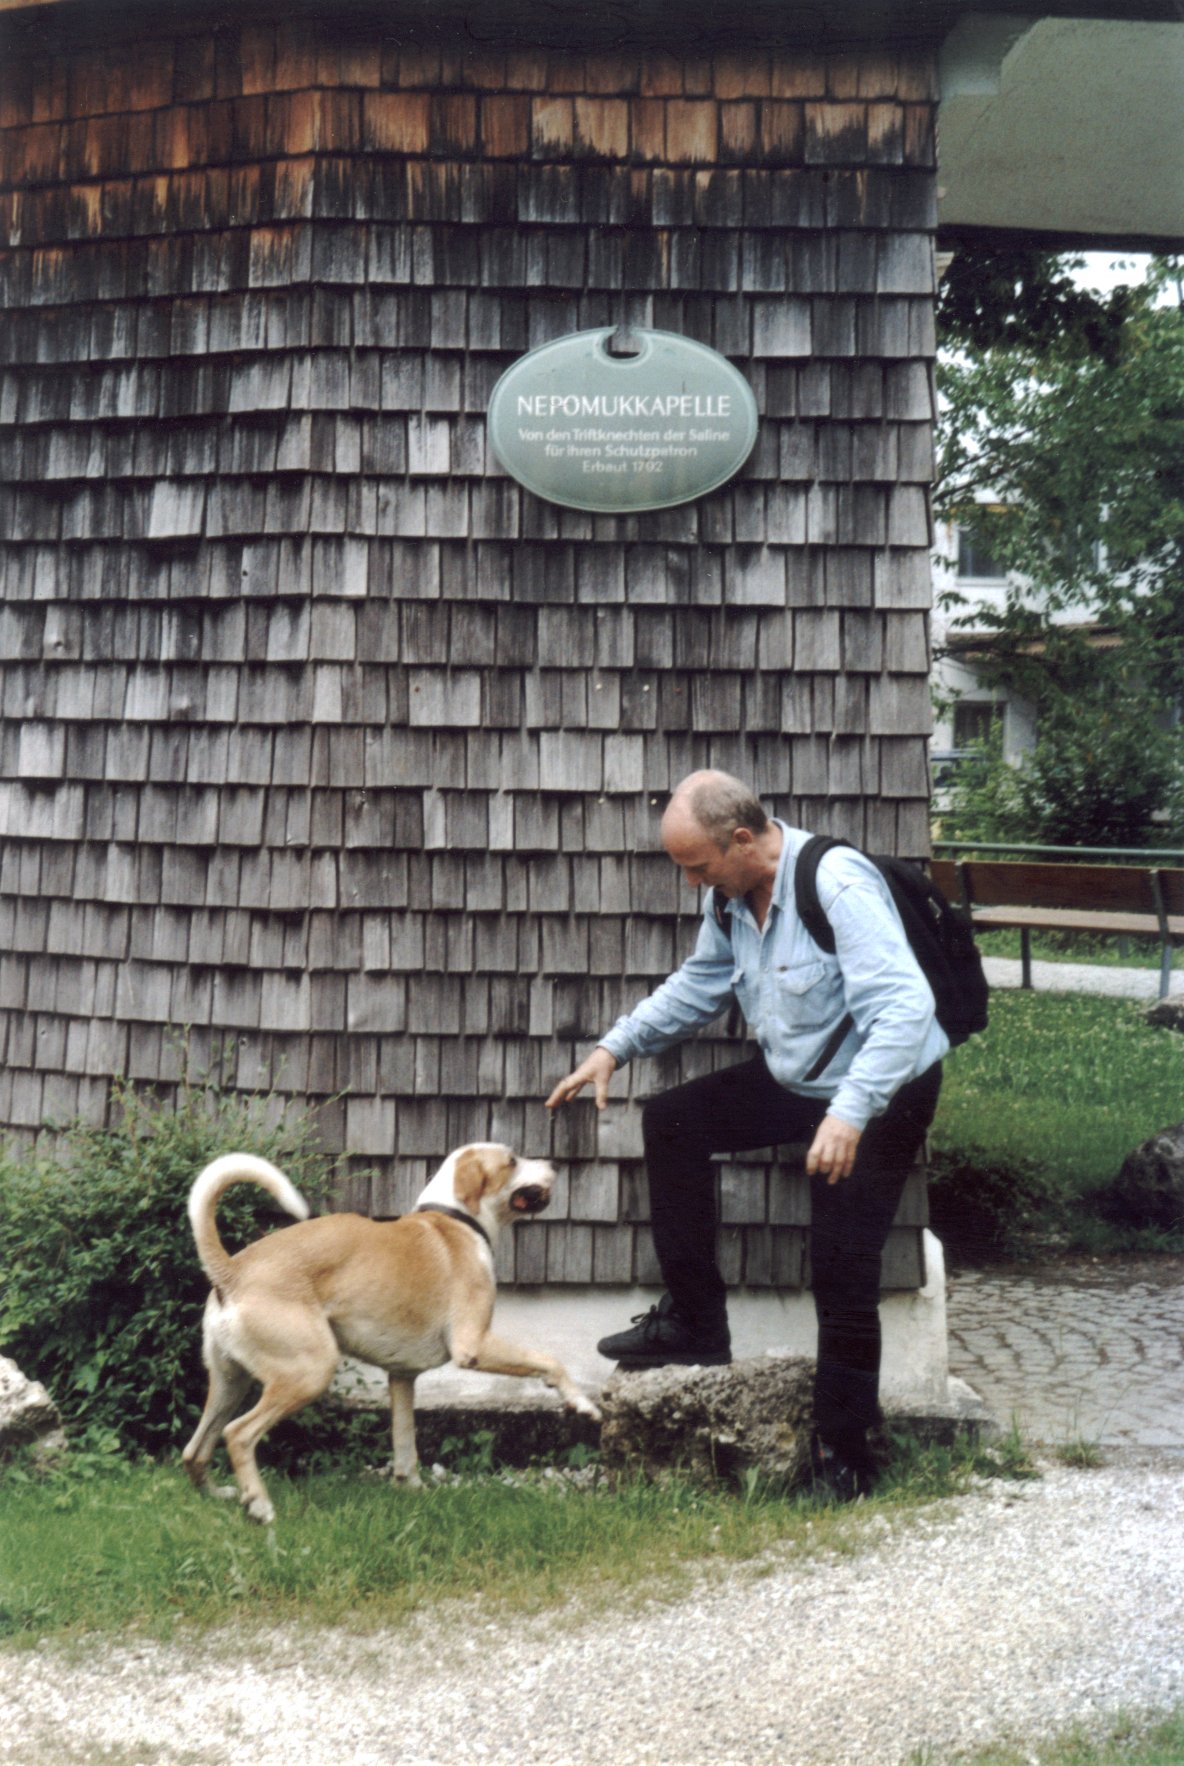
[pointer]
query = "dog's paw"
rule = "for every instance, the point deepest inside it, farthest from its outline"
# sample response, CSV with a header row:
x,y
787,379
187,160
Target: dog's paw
x,y
259,1509
584,1407
407,1481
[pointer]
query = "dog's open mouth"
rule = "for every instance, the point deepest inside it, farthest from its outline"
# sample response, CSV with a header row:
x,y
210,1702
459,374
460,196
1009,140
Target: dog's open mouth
x,y
530,1198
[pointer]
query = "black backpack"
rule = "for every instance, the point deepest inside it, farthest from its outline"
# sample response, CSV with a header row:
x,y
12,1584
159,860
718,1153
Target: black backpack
x,y
941,938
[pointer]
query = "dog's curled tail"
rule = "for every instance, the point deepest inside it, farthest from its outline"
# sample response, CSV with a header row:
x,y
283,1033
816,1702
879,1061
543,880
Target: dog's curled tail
x,y
218,1177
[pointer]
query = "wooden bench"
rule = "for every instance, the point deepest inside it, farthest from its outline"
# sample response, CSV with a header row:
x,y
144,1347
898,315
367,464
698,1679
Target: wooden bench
x,y
1068,898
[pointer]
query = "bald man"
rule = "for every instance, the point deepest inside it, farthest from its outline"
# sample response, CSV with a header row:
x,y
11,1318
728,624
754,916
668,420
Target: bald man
x,y
849,1060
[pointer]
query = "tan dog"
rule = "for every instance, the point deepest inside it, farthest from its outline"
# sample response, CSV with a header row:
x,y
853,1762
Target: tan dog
x,y
404,1295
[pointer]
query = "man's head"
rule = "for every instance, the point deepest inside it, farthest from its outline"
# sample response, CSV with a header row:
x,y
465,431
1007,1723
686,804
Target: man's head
x,y
718,833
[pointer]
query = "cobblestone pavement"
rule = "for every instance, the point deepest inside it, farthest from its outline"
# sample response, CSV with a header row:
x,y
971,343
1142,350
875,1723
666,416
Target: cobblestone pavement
x,y
1088,1350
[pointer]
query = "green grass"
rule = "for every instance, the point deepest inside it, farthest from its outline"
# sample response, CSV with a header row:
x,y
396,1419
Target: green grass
x,y
133,1548
1080,1454
1066,1085
1127,1742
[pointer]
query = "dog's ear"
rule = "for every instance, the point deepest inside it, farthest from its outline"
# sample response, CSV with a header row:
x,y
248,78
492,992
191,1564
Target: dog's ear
x,y
469,1177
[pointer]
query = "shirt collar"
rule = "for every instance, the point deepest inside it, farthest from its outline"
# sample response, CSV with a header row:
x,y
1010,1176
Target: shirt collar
x,y
782,880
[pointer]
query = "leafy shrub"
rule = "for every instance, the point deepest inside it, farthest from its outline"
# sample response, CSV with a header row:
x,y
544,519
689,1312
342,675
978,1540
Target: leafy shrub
x,y
1103,773
983,801
101,1293
982,1209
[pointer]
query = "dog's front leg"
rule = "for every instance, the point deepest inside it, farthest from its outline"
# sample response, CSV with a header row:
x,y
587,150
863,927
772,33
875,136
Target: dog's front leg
x,y
494,1355
406,1466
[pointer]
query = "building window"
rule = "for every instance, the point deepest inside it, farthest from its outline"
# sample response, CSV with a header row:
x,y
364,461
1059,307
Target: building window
x,y
974,719
976,560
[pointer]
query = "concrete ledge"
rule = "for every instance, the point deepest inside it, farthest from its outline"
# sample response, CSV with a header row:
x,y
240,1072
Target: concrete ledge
x,y
960,1415
528,1421
536,1426
569,1321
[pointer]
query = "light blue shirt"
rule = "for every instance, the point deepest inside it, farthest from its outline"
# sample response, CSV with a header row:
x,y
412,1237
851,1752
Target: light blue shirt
x,y
794,995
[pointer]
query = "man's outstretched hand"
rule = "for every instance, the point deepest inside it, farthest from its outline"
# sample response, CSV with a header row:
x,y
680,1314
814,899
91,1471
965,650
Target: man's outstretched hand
x,y
596,1071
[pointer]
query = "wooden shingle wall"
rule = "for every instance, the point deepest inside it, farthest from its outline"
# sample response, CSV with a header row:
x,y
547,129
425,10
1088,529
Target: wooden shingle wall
x,y
320,736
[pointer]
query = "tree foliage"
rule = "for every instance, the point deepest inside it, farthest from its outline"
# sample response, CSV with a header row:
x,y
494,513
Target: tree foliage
x,y
1013,296
1068,465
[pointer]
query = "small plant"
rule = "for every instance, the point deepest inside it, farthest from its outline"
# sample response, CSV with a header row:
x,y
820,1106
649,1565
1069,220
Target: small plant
x,y
1080,1454
101,1293
93,1454
925,1469
579,1456
1011,1456
469,1455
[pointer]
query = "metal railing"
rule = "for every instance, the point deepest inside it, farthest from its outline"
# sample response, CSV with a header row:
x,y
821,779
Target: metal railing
x,y
1150,855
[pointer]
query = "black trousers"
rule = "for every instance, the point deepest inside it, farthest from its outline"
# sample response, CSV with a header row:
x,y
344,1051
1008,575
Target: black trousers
x,y
744,1107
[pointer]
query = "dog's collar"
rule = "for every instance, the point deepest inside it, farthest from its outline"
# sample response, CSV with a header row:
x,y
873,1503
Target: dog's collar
x,y
455,1214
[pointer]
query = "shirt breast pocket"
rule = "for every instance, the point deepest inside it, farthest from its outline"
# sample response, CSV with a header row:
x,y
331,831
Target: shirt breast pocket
x,y
804,994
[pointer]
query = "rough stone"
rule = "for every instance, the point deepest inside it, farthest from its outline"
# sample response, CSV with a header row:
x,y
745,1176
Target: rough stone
x,y
1166,1014
27,1412
712,1423
1149,1189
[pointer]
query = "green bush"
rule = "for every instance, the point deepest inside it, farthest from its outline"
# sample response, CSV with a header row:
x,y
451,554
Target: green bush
x,y
101,1293
982,1209
1101,774
983,801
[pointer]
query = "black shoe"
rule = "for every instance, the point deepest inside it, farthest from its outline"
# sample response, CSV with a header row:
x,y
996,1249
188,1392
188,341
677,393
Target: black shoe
x,y
843,1474
662,1338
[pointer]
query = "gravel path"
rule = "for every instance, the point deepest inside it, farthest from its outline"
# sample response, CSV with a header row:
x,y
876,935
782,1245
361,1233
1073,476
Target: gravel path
x,y
1016,1610
1131,984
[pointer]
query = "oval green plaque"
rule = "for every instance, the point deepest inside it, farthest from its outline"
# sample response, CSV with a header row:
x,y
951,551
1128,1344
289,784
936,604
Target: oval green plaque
x,y
590,429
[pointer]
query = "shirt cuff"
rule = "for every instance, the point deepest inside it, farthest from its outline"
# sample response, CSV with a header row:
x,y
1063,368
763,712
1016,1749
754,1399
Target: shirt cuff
x,y
618,1045
848,1107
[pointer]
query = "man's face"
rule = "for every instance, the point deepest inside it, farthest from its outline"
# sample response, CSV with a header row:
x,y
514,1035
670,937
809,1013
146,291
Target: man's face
x,y
702,862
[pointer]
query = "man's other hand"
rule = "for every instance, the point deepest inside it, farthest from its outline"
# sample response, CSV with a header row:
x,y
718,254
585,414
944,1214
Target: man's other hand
x,y
832,1151
596,1071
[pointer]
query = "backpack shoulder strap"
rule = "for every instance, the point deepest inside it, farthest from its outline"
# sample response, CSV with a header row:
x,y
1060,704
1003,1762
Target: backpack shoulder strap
x,y
719,907
805,889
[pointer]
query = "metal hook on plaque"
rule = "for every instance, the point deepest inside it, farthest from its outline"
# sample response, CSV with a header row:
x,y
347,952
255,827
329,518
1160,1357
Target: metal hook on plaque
x,y
624,341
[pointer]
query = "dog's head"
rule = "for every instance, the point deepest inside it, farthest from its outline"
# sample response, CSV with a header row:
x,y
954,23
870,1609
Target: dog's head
x,y
493,1183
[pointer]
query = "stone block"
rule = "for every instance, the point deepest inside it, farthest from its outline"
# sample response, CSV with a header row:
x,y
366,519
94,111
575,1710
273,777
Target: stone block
x,y
27,1412
712,1423
1149,1189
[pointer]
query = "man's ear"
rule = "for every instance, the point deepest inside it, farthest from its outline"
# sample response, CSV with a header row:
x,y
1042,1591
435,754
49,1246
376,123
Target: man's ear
x,y
468,1178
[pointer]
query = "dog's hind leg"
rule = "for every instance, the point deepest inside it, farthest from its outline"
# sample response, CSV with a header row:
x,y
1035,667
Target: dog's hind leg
x,y
406,1457
289,1384
229,1385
